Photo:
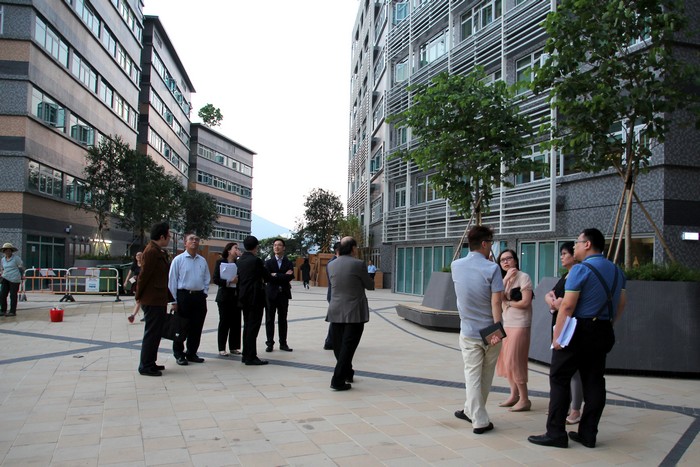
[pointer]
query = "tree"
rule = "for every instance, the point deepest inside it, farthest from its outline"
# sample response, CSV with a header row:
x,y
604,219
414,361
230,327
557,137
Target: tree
x,y
350,226
103,184
211,116
471,138
150,194
612,68
323,212
200,213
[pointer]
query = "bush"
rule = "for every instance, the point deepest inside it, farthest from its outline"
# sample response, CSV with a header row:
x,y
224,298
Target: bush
x,y
674,272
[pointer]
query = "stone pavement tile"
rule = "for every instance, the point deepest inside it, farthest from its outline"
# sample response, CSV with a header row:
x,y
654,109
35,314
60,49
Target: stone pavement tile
x,y
168,442
392,450
219,459
363,460
197,423
121,455
70,453
432,453
82,439
345,449
171,456
77,463
260,459
328,437
316,460
285,437
208,446
28,438
481,455
395,429
297,449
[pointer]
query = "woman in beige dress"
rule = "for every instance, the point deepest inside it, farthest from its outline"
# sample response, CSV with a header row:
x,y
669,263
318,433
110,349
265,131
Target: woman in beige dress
x,y
517,319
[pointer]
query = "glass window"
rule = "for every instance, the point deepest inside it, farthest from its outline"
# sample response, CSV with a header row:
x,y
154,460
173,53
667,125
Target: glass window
x,y
46,109
528,259
400,11
400,195
401,71
466,25
525,69
418,270
433,49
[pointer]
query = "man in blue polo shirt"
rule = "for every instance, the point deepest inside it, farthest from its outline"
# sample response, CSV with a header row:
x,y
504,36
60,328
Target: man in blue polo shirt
x,y
595,296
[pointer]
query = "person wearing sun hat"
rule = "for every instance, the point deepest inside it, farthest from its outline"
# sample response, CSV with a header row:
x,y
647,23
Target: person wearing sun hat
x,y
12,269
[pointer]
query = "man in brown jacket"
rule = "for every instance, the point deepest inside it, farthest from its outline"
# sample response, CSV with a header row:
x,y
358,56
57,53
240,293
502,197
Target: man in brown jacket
x,y
154,296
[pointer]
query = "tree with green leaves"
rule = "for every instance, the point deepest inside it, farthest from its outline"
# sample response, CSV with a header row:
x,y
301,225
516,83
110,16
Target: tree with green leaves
x,y
150,194
211,116
350,226
616,76
471,138
103,183
200,213
323,212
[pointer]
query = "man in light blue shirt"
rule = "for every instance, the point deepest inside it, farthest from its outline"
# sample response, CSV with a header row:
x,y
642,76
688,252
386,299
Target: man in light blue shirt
x,y
188,281
478,287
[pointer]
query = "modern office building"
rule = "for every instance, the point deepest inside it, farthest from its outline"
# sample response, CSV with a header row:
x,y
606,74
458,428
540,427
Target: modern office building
x,y
223,169
73,72
410,231
165,102
69,76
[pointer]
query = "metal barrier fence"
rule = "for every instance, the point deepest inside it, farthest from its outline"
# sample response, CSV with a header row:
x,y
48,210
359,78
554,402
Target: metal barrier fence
x,y
72,281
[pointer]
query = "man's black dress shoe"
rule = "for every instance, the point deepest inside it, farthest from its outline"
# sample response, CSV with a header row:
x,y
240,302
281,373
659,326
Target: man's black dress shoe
x,y
181,361
160,367
483,429
268,348
150,372
461,415
342,387
194,358
327,347
574,436
545,440
256,361
286,348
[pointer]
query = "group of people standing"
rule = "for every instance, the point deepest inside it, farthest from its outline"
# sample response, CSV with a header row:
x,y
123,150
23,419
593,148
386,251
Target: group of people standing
x,y
488,292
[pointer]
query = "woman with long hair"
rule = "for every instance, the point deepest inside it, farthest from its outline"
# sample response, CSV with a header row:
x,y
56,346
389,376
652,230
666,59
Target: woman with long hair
x,y
554,298
227,301
517,319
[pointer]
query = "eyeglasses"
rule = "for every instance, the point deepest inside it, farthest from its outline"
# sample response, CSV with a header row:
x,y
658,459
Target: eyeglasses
x,y
580,241
505,259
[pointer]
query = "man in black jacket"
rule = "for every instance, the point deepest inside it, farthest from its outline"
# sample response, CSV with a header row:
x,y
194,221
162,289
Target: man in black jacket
x,y
278,292
252,276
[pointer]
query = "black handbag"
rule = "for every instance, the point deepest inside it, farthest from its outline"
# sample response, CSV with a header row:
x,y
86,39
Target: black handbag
x,y
174,327
516,294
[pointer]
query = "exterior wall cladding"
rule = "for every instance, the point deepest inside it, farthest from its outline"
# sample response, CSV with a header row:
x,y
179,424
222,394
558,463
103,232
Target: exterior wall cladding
x,y
72,73
396,44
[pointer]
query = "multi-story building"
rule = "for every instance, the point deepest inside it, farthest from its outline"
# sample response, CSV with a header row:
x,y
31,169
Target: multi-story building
x,y
224,169
165,102
73,72
411,232
69,76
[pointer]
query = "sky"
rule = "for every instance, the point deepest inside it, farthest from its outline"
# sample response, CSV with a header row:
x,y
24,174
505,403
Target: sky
x,y
280,73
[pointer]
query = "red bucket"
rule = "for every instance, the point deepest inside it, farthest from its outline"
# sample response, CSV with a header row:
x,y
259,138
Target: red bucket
x,y
56,315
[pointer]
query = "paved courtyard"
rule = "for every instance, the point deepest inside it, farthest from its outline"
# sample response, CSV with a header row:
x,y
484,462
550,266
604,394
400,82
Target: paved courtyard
x,y
70,395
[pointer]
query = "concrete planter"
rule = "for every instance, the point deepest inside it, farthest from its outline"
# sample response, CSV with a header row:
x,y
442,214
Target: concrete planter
x,y
658,332
439,307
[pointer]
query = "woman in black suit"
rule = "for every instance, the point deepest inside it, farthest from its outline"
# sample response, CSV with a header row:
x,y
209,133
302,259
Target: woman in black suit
x,y
227,300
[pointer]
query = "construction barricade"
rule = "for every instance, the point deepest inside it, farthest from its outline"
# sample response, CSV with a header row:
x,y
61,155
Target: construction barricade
x,y
43,280
92,281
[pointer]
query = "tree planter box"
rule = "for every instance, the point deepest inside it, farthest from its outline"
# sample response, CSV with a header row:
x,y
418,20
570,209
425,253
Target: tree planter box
x,y
658,332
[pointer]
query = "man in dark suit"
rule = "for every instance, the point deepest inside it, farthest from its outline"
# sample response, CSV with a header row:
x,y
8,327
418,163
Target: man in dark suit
x,y
278,292
153,294
328,343
348,310
252,276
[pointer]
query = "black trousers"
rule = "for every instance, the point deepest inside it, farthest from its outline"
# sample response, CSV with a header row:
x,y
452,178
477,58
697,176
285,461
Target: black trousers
x,y
192,306
11,289
586,353
229,325
252,319
279,305
346,338
154,317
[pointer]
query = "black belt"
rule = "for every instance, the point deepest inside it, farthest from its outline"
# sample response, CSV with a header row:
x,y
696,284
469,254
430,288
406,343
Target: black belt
x,y
190,291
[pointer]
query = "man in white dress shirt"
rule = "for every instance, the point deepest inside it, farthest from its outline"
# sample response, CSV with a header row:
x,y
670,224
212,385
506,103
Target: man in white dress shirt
x,y
188,281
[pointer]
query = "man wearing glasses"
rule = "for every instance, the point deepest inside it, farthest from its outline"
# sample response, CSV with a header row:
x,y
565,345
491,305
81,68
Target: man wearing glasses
x,y
188,281
478,286
595,296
